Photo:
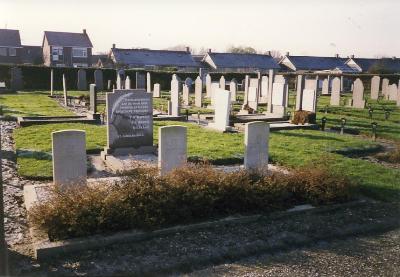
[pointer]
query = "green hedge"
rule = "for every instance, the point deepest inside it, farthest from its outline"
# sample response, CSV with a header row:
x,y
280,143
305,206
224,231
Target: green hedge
x,y
38,77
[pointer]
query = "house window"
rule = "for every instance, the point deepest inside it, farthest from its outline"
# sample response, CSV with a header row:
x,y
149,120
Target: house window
x,y
3,51
79,52
12,52
56,53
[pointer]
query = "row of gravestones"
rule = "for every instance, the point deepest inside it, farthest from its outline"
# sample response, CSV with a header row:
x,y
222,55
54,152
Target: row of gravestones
x,y
389,92
266,89
69,151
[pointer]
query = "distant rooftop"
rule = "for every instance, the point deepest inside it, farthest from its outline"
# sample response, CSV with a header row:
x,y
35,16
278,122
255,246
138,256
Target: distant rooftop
x,y
146,57
368,64
68,39
9,38
236,60
316,63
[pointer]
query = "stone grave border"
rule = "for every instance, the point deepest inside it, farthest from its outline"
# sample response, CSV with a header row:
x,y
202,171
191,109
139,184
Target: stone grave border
x,y
44,249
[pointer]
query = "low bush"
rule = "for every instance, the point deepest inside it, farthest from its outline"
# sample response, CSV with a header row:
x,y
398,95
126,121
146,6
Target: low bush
x,y
390,157
303,117
145,200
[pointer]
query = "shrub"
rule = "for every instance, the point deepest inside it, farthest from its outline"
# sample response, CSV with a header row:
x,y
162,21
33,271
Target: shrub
x,y
303,117
390,157
145,200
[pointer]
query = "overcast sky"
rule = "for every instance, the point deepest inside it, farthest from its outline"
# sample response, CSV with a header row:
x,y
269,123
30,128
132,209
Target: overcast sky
x,y
365,28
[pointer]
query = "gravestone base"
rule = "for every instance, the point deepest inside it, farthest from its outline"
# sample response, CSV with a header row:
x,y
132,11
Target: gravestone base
x,y
243,112
127,151
118,159
126,162
228,129
278,110
360,105
94,116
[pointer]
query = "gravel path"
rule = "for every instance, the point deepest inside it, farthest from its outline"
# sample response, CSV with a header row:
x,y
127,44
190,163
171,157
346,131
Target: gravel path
x,y
15,213
361,256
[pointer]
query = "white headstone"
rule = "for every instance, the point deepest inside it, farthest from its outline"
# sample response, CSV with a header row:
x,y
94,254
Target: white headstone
x,y
233,89
299,92
69,157
325,86
375,84
278,94
385,87
172,148
65,91
279,97
270,85
222,110
358,94
157,90
264,90
256,145
128,83
148,80
335,96
309,102
208,86
175,97
214,88
119,82
311,84
280,79
185,95
393,92
246,88
222,82
252,98
198,94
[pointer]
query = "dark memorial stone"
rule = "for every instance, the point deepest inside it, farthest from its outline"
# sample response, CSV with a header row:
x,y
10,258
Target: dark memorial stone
x,y
82,84
98,79
140,80
16,78
130,119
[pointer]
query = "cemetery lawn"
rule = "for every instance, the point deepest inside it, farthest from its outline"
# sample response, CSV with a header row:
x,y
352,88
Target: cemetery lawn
x,y
287,148
35,103
359,118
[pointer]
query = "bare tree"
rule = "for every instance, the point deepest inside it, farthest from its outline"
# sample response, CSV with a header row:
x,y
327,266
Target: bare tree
x,y
241,49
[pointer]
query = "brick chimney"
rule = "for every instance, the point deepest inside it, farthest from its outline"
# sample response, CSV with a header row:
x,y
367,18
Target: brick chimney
x,y
352,56
269,53
209,50
84,31
336,55
113,46
287,54
188,49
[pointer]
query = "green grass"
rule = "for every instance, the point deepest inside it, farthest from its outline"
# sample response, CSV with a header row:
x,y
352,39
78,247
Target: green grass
x,y
31,104
359,118
287,148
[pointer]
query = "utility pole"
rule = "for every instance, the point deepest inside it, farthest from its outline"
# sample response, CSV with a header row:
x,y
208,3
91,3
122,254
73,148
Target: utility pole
x,y
3,243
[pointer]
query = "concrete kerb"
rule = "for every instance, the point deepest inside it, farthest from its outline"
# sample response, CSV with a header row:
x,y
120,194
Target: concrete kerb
x,y
44,249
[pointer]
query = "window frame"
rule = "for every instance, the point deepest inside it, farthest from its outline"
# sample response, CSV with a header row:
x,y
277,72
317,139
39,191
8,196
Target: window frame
x,y
83,50
3,52
12,54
